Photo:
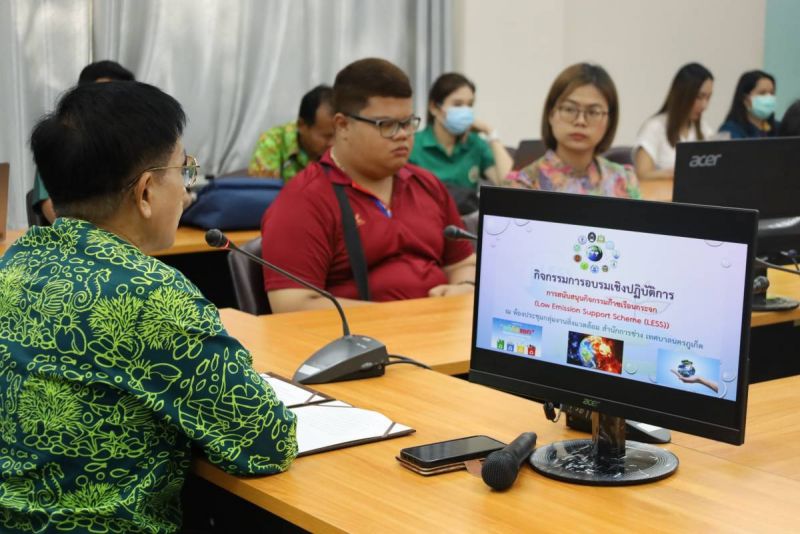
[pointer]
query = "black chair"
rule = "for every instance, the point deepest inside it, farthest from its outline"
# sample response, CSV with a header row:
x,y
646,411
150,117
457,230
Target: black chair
x,y
528,151
620,154
248,280
34,218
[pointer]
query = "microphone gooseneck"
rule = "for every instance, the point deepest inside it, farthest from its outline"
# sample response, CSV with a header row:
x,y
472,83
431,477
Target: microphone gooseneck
x,y
217,239
452,231
500,469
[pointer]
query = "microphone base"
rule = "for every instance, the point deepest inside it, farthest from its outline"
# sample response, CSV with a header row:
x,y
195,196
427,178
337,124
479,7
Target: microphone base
x,y
350,357
578,462
607,459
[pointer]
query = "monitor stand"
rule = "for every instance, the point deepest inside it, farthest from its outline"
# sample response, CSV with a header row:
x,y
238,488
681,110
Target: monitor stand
x,y
581,419
605,460
760,300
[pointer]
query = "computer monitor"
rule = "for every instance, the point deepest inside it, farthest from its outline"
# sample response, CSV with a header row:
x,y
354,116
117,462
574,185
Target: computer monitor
x,y
762,174
630,308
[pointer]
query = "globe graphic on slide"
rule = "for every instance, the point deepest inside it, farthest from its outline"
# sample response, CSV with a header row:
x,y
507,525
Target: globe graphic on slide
x,y
597,353
686,368
591,348
594,253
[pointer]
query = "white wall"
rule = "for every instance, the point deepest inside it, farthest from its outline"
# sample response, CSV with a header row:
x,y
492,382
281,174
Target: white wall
x,y
513,49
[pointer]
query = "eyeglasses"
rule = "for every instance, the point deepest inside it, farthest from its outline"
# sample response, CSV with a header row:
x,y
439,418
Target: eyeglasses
x,y
570,113
388,128
188,170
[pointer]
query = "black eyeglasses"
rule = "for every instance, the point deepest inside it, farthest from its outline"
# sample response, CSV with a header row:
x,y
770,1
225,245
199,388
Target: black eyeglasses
x,y
569,113
388,128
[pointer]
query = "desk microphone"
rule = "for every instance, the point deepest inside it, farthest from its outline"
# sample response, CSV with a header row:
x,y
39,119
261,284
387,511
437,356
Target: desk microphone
x,y
349,357
500,468
452,231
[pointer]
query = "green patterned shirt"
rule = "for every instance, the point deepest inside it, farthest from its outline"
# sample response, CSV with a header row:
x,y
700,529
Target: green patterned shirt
x,y
112,364
278,153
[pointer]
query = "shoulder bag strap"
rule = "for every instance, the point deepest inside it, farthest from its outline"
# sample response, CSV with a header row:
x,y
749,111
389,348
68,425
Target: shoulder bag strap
x,y
353,243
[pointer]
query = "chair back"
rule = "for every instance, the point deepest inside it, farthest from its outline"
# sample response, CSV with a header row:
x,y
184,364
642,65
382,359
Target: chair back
x,y
528,151
620,154
34,218
248,280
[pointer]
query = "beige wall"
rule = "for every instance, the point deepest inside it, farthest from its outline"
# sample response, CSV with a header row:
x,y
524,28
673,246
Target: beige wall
x,y
513,49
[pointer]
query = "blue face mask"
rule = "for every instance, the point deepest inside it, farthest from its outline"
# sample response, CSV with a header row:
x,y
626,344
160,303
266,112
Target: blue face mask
x,y
458,119
763,106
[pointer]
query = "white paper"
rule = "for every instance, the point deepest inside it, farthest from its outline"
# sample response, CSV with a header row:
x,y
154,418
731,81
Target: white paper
x,y
290,394
336,422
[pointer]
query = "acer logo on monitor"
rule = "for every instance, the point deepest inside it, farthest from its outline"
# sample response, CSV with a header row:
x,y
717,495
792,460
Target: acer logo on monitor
x,y
705,160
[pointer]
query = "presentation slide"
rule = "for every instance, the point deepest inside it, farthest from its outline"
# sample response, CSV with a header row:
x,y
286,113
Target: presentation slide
x,y
655,308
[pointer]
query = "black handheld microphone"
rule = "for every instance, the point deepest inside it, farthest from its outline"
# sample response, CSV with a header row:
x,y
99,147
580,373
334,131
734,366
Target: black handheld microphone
x,y
500,468
454,232
348,358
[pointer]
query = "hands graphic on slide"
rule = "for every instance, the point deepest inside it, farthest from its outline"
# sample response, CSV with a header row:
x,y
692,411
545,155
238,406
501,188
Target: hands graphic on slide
x,y
695,379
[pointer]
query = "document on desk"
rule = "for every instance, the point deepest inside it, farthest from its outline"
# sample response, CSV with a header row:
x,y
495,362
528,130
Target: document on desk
x,y
325,424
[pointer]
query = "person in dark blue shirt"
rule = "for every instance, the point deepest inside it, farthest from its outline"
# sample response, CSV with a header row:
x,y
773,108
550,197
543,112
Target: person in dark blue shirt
x,y
752,112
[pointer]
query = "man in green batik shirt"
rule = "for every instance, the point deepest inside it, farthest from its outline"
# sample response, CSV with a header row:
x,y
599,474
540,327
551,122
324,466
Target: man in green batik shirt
x,y
285,150
113,364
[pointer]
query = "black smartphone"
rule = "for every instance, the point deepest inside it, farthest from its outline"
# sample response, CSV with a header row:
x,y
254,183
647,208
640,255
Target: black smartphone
x,y
452,451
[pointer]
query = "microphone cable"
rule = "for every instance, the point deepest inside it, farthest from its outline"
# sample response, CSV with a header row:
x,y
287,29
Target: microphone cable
x,y
776,267
792,255
406,359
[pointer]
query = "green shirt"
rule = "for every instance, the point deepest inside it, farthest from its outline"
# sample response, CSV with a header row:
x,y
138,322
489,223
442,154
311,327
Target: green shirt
x,y
112,364
278,153
469,160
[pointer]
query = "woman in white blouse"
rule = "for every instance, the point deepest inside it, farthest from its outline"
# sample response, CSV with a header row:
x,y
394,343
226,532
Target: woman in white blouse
x,y
679,119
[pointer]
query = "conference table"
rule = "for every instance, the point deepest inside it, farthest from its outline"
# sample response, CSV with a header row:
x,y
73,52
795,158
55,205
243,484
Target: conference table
x,y
656,189
188,240
717,487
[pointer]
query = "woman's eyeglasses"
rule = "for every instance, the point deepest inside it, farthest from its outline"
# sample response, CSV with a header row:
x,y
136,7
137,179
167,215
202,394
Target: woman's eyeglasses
x,y
569,113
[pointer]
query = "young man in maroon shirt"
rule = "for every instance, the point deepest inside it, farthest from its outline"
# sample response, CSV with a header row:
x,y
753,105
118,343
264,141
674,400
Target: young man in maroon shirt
x,y
400,210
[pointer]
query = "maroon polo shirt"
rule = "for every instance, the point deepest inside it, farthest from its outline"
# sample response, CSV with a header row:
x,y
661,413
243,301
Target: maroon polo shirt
x,y
404,245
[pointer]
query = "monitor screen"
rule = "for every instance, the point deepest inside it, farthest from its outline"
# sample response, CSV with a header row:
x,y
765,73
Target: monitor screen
x,y
633,308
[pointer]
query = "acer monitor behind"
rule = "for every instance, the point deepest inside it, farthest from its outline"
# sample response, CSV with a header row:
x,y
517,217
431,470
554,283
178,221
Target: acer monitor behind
x,y
604,303
762,174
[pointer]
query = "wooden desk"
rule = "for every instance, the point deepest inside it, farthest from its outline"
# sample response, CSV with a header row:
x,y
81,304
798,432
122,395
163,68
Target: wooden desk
x,y
364,489
781,284
772,434
434,331
11,236
187,240
656,189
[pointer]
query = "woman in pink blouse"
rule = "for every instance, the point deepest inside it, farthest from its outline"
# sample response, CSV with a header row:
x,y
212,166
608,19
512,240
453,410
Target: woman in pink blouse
x,y
578,123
